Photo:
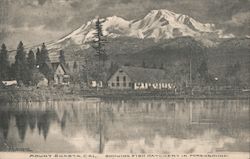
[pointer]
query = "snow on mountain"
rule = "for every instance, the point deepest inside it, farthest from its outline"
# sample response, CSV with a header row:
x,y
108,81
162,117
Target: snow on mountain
x,y
112,27
164,24
157,24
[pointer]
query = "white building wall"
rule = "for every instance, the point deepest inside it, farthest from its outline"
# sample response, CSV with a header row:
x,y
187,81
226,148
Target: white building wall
x,y
113,83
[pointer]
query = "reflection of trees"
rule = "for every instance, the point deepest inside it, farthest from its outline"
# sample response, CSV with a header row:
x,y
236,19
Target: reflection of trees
x,y
129,120
106,118
21,123
4,123
43,122
63,121
32,120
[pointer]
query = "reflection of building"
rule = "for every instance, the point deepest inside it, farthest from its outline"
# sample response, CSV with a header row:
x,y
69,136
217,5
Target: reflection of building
x,y
140,78
61,74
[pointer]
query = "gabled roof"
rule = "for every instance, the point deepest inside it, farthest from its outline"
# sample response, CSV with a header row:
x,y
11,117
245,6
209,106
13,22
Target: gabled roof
x,y
140,74
56,64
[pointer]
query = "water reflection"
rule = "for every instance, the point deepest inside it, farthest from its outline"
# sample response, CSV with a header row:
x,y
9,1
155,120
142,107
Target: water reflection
x,y
4,123
129,126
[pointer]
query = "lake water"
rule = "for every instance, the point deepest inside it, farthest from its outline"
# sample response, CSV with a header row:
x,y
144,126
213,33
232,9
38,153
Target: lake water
x,y
126,126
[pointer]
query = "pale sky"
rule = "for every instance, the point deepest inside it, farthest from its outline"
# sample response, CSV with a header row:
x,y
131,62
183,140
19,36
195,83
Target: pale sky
x,y
36,21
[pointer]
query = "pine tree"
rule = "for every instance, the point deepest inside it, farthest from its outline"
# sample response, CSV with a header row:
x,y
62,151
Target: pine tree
x,y
45,66
75,66
44,54
38,58
12,72
99,42
21,69
31,60
203,70
113,68
62,57
4,63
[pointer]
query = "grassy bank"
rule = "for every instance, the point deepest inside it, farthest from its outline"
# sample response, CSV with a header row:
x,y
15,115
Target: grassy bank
x,y
33,94
29,94
157,94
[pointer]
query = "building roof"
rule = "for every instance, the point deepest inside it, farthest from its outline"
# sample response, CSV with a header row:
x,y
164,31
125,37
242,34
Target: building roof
x,y
56,64
140,74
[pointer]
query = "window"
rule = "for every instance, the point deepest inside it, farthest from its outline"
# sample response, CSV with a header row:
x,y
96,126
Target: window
x,y
117,81
124,81
65,80
113,84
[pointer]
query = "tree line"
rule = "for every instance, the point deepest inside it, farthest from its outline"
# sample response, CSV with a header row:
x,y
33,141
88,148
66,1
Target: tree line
x,y
28,68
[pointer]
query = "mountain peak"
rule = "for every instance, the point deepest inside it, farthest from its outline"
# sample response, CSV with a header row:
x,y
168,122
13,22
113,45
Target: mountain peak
x,y
157,24
162,12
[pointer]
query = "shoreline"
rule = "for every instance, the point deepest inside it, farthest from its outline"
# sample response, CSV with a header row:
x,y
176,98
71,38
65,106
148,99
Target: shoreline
x,y
177,97
40,95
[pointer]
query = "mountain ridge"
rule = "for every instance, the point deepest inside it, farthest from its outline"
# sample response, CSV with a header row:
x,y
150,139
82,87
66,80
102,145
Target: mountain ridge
x,y
157,24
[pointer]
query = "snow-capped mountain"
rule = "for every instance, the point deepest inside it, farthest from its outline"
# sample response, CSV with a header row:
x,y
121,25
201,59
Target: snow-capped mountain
x,y
164,24
157,24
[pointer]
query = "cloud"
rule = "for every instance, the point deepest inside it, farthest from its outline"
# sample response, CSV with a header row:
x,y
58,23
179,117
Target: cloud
x,y
65,15
240,19
30,35
239,24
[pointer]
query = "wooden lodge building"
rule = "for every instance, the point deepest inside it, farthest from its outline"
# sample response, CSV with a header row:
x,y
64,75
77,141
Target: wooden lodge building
x,y
138,78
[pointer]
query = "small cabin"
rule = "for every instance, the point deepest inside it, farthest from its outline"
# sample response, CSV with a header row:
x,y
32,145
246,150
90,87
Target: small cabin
x,y
61,74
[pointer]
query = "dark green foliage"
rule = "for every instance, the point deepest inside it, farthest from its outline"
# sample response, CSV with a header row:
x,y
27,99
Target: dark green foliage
x,y
39,60
99,42
62,57
233,74
75,77
162,66
232,70
229,52
36,76
45,64
4,63
203,71
75,65
176,55
12,72
31,60
20,66
143,64
113,68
